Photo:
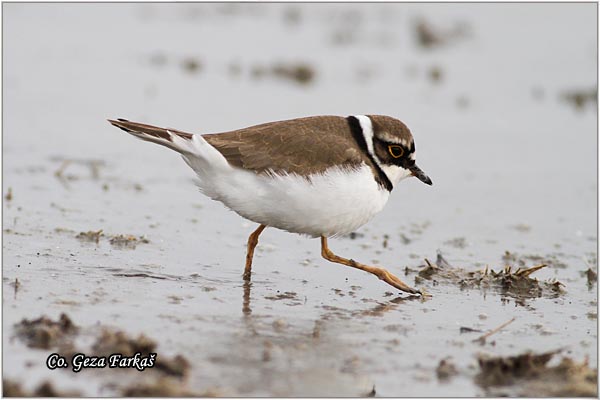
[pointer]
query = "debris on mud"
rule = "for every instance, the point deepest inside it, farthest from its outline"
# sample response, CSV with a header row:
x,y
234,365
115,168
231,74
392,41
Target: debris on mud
x,y
511,258
517,284
524,228
459,242
429,37
354,235
191,65
93,166
164,388
43,333
177,366
592,315
591,276
481,340
300,73
446,370
283,296
426,36
9,194
13,232
580,98
127,241
466,329
435,74
90,236
11,388
119,241
111,342
528,375
16,285
140,275
405,239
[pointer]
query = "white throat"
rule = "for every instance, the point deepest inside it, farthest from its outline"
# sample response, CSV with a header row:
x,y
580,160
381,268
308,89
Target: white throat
x,y
395,173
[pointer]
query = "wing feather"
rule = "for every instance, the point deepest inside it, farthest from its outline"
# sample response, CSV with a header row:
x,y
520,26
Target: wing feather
x,y
302,146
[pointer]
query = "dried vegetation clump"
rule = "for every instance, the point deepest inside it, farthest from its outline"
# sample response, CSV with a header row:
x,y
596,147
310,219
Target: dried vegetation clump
x,y
11,388
528,375
127,241
46,334
446,370
516,283
43,333
111,342
591,276
90,236
164,388
118,241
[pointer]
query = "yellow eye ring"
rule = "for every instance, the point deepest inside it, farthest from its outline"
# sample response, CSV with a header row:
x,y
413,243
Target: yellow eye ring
x,y
396,151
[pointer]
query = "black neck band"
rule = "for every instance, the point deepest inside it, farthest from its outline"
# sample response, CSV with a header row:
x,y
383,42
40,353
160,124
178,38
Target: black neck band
x,y
359,136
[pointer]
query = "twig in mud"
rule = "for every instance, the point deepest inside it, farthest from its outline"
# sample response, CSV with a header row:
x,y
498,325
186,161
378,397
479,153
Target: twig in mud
x,y
16,284
465,329
483,337
59,172
529,271
372,393
93,165
441,262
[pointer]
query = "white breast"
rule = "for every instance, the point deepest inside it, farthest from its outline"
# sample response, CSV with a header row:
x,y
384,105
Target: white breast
x,y
335,202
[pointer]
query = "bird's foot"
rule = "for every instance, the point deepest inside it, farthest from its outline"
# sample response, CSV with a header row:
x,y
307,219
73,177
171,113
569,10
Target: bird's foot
x,y
396,282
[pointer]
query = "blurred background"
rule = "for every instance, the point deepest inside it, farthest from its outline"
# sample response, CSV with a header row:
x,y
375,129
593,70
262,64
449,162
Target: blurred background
x,y
501,100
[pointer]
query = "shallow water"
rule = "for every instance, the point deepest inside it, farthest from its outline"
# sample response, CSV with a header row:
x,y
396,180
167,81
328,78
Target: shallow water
x,y
513,165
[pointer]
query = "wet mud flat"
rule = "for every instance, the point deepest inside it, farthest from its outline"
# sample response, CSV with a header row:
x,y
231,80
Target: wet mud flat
x,y
301,337
108,248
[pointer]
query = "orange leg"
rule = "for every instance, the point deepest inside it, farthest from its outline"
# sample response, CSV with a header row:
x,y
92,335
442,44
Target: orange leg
x,y
252,242
381,273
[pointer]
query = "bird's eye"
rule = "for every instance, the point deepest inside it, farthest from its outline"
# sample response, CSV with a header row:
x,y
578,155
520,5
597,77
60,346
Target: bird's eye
x,y
396,151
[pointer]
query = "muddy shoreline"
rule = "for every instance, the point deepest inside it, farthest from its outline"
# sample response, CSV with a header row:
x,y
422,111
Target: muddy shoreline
x,y
109,247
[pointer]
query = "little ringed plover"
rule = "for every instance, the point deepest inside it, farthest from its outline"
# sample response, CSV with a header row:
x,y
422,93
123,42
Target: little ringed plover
x,y
320,176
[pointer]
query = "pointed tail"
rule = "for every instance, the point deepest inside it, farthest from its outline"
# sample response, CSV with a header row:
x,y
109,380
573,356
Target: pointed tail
x,y
194,149
171,138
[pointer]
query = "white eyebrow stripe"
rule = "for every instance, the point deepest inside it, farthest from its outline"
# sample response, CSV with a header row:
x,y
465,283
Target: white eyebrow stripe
x,y
366,126
392,139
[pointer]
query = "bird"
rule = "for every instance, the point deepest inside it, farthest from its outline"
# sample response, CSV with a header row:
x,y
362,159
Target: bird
x,y
320,176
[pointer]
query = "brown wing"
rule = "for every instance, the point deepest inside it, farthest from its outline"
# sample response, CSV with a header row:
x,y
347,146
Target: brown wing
x,y
302,146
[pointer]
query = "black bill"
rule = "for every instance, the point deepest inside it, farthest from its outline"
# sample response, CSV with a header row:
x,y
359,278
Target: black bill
x,y
416,171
